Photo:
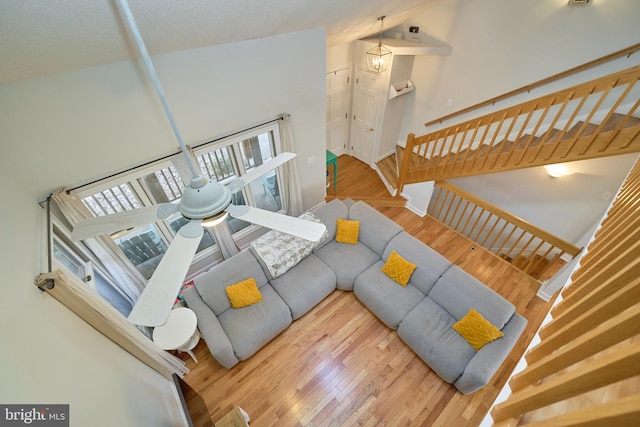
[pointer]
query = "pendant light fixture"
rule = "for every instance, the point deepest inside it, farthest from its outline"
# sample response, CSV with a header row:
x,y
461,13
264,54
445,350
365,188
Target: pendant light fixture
x,y
379,57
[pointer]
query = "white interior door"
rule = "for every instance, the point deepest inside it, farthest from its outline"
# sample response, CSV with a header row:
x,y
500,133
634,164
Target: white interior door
x,y
364,115
338,111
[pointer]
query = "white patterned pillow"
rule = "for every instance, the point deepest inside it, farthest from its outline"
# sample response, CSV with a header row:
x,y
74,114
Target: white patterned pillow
x,y
281,251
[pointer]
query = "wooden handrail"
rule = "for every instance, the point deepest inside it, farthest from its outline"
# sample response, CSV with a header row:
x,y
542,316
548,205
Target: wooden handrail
x,y
627,51
553,128
521,223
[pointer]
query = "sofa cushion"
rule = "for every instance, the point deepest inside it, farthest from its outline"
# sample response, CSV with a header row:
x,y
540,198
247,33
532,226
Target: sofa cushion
x,y
431,265
427,330
211,284
243,293
277,252
347,231
476,330
328,214
376,230
346,261
383,297
458,292
398,268
305,285
251,327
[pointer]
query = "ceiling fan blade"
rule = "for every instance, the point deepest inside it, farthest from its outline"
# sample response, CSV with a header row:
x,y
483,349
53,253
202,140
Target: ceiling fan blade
x,y
109,224
157,298
287,224
258,171
165,210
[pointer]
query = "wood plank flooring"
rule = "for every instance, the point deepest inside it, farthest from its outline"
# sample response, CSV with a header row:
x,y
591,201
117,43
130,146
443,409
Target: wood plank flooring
x,y
339,366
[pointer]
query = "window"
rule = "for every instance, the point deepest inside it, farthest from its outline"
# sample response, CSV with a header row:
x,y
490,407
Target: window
x,y
237,157
67,259
160,182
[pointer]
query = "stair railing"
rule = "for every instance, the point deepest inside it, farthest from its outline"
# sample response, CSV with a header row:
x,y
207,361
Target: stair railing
x,y
550,129
530,248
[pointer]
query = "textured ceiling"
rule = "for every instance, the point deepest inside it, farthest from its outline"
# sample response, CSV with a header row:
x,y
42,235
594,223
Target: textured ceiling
x,y
39,37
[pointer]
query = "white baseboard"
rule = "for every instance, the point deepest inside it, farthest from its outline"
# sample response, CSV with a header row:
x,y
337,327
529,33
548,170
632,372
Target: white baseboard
x,y
421,213
389,188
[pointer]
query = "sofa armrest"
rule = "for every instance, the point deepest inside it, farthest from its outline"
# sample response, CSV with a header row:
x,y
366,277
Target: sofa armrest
x,y
211,329
483,366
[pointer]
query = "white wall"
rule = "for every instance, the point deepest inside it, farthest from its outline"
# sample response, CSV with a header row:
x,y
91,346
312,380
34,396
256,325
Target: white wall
x,y
565,206
68,128
499,46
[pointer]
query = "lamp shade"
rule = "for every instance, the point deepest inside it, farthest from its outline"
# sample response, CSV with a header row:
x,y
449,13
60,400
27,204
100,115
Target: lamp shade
x,y
378,59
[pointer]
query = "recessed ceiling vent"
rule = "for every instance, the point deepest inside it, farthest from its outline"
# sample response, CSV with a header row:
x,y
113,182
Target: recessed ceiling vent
x,y
579,2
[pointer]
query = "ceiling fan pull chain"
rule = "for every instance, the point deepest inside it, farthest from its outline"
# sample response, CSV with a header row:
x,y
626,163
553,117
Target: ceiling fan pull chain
x,y
156,82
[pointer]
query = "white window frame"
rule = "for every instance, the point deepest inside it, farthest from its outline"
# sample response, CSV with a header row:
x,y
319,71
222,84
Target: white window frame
x,y
211,255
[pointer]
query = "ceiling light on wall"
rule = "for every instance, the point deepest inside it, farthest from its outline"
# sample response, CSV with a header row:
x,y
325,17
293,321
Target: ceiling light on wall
x,y
578,2
558,170
379,57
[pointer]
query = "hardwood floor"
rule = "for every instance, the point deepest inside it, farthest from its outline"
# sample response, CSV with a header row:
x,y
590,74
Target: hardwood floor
x,y
339,366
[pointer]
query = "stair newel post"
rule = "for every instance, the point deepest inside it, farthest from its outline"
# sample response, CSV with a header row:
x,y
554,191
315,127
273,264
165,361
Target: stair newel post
x,y
406,161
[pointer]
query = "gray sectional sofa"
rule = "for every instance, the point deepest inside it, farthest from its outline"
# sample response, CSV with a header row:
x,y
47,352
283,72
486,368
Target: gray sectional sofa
x,y
437,295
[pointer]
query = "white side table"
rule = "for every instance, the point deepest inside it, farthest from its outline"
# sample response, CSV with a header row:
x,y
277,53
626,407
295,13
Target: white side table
x,y
180,332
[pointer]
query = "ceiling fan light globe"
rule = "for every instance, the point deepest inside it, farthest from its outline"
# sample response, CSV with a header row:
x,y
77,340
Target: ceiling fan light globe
x,y
215,219
204,198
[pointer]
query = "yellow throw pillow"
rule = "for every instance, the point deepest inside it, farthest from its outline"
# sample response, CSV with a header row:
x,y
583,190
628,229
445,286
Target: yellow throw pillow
x,y
243,293
347,231
398,268
476,330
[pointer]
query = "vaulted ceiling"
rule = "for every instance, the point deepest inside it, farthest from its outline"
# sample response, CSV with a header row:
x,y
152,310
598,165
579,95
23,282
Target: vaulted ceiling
x,y
40,37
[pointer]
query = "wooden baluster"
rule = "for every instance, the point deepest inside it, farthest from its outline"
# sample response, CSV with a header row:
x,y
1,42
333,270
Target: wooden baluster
x,y
455,212
484,225
506,240
506,136
464,137
462,215
475,207
444,202
515,244
535,131
493,227
589,376
620,125
600,337
520,132
482,211
446,215
567,99
531,258
486,154
470,146
493,242
481,142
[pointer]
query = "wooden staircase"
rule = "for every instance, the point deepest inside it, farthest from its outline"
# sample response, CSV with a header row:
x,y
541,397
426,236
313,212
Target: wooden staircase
x,y
590,120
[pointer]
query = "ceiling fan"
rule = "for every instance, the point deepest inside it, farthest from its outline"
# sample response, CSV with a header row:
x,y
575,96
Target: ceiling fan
x,y
204,202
